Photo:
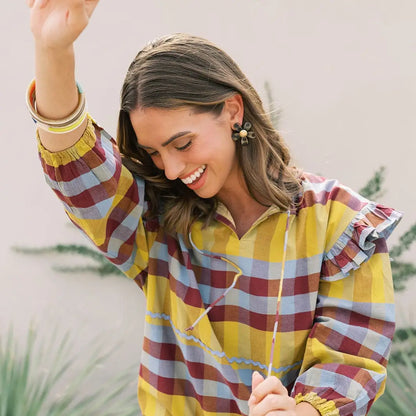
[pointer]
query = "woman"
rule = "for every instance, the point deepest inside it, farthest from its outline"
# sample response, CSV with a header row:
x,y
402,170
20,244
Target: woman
x,y
268,290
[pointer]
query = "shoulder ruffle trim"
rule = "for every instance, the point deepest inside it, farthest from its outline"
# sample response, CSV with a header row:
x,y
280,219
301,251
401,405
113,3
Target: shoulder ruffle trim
x,y
324,407
357,243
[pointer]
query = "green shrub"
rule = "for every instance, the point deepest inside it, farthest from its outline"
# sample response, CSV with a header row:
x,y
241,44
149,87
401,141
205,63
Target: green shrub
x,y
399,399
35,381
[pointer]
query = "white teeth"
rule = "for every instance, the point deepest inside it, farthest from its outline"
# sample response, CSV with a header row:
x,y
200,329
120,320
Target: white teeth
x,y
194,175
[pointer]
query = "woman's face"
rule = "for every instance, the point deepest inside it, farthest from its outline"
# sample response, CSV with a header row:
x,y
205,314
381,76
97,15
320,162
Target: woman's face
x,y
195,147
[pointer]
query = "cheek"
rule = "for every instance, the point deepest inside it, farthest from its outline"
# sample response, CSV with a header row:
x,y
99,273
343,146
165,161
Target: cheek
x,y
221,145
227,150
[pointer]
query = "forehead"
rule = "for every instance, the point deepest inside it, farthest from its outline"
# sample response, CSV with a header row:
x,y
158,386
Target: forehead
x,y
154,124
148,115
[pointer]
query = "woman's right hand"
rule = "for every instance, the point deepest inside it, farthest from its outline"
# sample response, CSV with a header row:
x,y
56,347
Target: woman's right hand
x,y
56,24
270,397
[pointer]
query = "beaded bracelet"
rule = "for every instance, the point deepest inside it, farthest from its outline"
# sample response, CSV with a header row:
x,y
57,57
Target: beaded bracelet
x,y
64,125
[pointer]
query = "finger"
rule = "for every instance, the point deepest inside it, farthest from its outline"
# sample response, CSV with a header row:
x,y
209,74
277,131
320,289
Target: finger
x,y
30,2
90,6
268,386
256,379
274,402
274,413
76,15
80,10
40,4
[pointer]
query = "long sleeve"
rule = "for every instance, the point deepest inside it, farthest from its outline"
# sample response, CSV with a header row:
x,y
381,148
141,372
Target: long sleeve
x,y
102,198
344,365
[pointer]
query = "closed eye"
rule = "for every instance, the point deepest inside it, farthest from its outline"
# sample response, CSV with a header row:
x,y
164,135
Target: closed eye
x,y
180,148
184,147
152,154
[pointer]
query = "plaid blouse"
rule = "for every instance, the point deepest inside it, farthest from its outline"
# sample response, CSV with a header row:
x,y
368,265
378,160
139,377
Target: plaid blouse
x,y
336,314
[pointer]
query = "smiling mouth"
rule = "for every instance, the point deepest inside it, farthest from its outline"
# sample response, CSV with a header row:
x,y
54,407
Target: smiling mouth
x,y
195,176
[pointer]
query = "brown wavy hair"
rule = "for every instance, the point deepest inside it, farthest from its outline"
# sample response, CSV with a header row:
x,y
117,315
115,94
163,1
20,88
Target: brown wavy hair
x,y
182,70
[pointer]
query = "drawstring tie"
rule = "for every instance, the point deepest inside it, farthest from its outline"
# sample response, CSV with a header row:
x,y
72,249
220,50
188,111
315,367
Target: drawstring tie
x,y
279,296
239,273
236,277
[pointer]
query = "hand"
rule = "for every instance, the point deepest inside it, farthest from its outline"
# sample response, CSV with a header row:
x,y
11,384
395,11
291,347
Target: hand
x,y
56,24
270,397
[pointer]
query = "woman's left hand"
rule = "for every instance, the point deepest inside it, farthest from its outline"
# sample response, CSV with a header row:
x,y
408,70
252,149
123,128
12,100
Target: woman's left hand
x,y
270,397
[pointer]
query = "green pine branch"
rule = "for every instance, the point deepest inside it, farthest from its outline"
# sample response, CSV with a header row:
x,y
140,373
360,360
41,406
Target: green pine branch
x,y
402,272
400,395
405,241
373,188
103,268
103,271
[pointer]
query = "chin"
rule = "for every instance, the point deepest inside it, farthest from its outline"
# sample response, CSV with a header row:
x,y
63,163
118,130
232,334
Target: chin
x,y
205,193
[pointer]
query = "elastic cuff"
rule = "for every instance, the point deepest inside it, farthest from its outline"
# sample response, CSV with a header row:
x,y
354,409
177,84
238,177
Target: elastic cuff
x,y
323,406
75,152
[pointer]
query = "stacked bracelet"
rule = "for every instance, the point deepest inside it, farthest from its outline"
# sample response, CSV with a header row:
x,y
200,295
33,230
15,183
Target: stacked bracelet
x,y
61,126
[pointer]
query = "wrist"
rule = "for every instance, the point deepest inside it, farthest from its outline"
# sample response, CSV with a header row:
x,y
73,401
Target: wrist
x,y
53,51
306,409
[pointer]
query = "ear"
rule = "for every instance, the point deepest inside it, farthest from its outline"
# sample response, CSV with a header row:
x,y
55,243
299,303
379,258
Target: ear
x,y
234,109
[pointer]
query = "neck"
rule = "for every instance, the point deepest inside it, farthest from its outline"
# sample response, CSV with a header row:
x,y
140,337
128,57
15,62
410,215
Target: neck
x,y
244,209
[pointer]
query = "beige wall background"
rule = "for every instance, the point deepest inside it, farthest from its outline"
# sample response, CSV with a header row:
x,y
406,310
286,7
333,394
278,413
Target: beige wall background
x,y
342,74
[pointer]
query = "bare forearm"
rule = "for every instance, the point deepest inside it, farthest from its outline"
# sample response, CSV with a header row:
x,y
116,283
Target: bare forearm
x,y
56,91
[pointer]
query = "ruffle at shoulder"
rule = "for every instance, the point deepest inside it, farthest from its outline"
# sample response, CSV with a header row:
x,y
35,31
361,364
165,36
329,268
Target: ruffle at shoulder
x,y
358,242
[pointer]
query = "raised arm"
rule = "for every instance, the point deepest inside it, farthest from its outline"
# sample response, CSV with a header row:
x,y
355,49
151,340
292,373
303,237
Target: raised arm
x,y
55,25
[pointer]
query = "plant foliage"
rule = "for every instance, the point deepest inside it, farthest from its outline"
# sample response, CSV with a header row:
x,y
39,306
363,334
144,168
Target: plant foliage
x,y
399,398
402,270
101,266
34,381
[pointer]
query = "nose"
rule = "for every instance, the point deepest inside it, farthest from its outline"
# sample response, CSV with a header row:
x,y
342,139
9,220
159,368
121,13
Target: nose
x,y
173,166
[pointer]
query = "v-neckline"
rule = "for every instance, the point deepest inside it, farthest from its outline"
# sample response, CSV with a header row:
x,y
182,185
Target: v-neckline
x,y
224,215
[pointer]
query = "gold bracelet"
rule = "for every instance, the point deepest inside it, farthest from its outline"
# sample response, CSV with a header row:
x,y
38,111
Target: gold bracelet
x,y
61,126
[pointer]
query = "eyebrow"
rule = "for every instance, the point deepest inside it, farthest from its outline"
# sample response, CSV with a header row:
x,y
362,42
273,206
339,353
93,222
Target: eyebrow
x,y
170,140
